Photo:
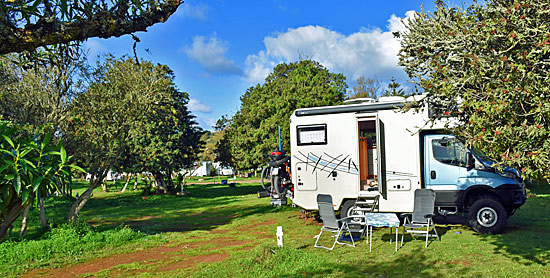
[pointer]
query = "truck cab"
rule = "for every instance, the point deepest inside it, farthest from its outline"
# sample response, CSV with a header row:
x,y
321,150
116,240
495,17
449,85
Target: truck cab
x,y
465,181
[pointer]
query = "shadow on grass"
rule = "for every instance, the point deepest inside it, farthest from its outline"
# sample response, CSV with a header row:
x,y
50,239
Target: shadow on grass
x,y
204,207
441,231
526,238
417,265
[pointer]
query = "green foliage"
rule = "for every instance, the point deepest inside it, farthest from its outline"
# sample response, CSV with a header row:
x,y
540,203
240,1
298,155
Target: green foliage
x,y
393,89
488,65
168,138
132,117
38,92
253,131
222,150
30,167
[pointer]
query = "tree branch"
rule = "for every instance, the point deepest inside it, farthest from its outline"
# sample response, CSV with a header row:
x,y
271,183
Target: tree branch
x,y
50,30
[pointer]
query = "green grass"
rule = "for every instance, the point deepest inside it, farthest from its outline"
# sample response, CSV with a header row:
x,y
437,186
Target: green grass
x,y
212,214
219,178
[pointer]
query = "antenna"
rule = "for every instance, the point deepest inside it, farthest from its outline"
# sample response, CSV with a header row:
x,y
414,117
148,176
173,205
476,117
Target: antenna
x,y
279,127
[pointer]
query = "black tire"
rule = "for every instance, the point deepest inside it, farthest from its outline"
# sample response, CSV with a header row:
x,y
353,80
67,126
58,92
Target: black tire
x,y
346,208
487,216
263,176
276,184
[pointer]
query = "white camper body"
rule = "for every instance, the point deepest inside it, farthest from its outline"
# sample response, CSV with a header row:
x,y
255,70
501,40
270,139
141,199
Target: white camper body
x,y
357,150
372,157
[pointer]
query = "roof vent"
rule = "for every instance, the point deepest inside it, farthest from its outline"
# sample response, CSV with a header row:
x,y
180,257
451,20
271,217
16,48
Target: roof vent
x,y
359,100
391,99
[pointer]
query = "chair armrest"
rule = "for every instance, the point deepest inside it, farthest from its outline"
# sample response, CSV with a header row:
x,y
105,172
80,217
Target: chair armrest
x,y
347,219
429,215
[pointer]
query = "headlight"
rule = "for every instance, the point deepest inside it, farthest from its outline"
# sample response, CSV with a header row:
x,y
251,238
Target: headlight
x,y
509,175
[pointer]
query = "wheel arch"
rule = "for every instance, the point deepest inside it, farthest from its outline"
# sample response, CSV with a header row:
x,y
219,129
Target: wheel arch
x,y
477,191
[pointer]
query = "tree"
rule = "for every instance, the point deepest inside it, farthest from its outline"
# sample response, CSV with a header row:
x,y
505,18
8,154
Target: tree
x,y
222,150
125,102
31,169
253,131
487,64
37,94
366,88
393,89
26,25
169,138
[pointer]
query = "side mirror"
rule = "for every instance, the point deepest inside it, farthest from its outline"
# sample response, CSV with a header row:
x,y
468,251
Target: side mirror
x,y
471,161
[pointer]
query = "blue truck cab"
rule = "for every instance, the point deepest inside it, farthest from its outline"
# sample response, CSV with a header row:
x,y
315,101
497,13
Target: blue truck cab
x,y
466,182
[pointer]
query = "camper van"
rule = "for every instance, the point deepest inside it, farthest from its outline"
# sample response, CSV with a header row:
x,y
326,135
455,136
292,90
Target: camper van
x,y
370,156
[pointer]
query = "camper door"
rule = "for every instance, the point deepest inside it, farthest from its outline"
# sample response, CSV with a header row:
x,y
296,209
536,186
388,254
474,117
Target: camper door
x,y
381,157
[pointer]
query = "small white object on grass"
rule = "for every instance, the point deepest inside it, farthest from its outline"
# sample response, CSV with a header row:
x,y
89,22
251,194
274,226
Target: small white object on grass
x,y
280,236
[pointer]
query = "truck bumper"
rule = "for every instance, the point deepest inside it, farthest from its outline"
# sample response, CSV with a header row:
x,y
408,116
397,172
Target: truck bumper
x,y
512,198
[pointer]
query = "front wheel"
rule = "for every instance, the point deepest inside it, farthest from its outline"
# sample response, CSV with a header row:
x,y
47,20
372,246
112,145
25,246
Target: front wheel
x,y
487,216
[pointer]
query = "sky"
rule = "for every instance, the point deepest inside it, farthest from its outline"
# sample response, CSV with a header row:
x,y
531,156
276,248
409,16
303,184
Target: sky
x,y
218,49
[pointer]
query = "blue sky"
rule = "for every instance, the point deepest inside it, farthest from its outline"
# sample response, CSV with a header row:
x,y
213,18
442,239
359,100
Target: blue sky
x,y
219,48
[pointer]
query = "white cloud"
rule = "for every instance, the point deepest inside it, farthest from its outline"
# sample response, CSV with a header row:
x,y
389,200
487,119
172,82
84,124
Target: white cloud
x,y
198,12
197,106
369,52
259,67
94,47
210,54
206,123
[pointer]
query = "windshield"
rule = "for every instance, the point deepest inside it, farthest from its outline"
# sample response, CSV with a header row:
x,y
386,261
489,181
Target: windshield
x,y
480,154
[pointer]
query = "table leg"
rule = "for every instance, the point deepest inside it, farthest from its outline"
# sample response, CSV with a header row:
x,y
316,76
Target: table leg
x,y
396,234
370,242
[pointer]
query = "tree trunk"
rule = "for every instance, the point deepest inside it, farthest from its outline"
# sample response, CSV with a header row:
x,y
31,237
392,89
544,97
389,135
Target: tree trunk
x,y
170,184
159,179
135,182
43,220
95,182
12,212
127,182
24,222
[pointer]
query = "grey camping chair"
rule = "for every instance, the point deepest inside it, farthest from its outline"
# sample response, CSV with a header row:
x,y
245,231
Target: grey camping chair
x,y
331,224
420,221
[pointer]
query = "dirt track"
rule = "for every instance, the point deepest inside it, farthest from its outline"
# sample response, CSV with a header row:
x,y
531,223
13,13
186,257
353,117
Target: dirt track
x,y
157,260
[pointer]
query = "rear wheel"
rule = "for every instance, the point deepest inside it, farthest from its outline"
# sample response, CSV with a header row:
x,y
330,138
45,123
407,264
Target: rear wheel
x,y
264,175
347,209
487,216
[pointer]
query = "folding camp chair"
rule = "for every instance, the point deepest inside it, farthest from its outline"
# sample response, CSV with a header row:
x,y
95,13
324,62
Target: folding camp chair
x,y
331,224
420,221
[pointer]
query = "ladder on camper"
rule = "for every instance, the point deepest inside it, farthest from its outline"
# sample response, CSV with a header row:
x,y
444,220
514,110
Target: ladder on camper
x,y
366,203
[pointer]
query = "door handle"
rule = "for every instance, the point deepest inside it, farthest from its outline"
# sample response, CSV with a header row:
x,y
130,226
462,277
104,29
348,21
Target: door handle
x,y
432,175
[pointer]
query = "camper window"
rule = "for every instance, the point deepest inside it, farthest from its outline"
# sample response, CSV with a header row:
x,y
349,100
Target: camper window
x,y
312,134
